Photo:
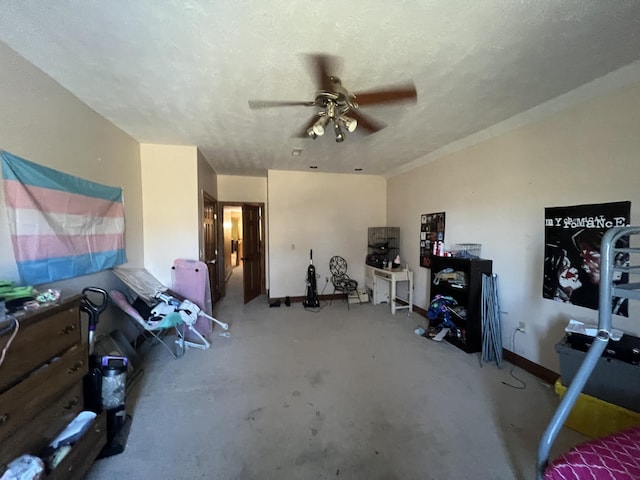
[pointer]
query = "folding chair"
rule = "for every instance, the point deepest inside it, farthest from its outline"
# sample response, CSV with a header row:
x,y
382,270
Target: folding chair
x,y
175,311
151,328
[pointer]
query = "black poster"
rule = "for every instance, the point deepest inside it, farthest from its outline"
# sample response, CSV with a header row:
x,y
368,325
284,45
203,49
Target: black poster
x,y
572,252
431,236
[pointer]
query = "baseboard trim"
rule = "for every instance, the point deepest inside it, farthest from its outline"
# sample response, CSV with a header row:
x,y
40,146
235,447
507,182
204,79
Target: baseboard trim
x,y
420,310
525,364
533,368
329,297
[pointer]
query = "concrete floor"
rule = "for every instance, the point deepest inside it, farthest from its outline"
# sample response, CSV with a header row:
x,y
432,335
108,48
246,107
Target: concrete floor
x,y
351,394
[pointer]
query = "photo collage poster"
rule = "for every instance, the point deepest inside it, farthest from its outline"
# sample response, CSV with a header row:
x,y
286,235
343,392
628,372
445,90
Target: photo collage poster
x,y
431,232
572,253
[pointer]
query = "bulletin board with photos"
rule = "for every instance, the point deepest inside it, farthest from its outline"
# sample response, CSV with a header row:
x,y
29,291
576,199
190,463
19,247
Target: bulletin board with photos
x,y
431,232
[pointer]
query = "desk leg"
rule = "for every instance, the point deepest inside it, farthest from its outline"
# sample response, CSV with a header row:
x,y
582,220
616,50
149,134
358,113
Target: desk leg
x,y
392,300
410,295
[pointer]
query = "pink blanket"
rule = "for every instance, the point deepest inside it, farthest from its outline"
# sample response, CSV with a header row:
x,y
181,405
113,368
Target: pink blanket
x,y
616,457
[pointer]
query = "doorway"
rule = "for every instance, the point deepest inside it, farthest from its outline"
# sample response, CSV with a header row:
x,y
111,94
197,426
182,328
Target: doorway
x,y
243,246
232,235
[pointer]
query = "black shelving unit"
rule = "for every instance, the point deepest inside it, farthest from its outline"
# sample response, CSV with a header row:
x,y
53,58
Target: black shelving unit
x,y
466,289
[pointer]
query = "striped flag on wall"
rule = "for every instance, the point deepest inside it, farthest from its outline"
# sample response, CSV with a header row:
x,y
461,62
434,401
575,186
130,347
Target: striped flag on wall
x,y
61,226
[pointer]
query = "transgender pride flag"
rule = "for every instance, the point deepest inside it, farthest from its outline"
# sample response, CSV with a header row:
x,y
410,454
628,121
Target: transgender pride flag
x,y
61,226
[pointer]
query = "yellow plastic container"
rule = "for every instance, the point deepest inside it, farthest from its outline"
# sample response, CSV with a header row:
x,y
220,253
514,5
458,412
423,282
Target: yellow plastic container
x,y
596,418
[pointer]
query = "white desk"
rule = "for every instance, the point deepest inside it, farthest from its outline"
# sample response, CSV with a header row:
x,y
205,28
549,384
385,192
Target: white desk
x,y
383,285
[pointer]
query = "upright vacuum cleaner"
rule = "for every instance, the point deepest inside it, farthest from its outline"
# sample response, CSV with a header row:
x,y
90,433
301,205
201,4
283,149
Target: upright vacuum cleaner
x,y
105,384
312,287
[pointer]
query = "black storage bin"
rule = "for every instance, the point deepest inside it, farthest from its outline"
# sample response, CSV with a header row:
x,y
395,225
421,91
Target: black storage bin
x,y
612,380
627,349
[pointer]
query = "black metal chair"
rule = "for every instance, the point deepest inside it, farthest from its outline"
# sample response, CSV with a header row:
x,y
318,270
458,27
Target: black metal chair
x,y
340,280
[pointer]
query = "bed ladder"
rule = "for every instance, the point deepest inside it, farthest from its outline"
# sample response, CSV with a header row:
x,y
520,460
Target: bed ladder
x,y
607,291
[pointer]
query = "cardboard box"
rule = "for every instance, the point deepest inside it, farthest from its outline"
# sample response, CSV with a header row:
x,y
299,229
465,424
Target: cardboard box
x,y
360,296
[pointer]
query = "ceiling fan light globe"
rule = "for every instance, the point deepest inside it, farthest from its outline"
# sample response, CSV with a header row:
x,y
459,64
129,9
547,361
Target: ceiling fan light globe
x,y
349,123
312,134
318,127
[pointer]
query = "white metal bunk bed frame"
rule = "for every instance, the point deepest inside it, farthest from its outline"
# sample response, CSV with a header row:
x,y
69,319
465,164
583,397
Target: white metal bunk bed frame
x,y
607,290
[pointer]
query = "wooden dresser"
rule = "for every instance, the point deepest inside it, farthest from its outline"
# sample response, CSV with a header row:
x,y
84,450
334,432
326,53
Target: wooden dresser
x,y
41,388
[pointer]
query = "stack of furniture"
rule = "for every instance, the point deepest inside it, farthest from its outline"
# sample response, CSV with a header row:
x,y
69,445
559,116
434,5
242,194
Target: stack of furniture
x,y
41,389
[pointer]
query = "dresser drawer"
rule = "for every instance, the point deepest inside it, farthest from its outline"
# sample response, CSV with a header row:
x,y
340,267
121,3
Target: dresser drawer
x,y
33,394
34,436
78,461
38,340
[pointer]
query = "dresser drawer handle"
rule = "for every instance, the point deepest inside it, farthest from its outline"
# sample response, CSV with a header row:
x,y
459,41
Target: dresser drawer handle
x,y
76,367
71,404
4,419
67,330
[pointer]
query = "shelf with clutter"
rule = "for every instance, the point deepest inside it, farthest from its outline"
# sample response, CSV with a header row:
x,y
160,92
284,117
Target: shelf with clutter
x,y
455,300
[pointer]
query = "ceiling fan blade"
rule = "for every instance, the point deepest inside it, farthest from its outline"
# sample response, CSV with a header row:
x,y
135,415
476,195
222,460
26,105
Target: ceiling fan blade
x,y
401,93
302,133
256,104
322,67
366,122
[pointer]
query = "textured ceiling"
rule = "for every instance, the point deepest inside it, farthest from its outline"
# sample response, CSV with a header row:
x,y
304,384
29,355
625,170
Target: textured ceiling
x,y
182,72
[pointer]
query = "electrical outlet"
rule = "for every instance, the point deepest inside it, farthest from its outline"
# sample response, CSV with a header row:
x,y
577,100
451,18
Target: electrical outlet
x,y
522,327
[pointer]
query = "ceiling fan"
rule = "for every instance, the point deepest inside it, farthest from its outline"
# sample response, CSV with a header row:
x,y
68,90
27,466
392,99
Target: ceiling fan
x,y
337,105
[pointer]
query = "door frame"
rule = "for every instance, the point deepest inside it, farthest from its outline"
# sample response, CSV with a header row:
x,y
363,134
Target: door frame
x,y
207,198
263,252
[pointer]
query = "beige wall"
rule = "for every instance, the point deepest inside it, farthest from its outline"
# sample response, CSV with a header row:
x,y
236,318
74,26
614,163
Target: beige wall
x,y
170,207
236,188
326,213
495,193
42,122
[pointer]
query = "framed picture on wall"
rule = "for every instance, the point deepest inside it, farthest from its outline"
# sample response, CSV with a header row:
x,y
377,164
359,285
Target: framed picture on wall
x,y
573,237
431,235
